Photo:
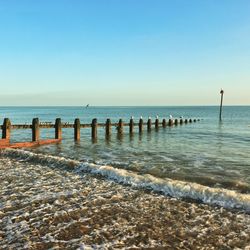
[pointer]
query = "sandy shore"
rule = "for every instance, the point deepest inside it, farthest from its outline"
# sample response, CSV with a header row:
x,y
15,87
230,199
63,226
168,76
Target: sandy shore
x,y
42,207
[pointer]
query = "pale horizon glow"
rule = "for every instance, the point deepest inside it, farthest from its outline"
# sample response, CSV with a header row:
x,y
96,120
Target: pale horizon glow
x,y
124,53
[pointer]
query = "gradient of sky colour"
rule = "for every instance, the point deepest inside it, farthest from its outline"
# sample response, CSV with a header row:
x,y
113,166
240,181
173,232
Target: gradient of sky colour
x,y
124,52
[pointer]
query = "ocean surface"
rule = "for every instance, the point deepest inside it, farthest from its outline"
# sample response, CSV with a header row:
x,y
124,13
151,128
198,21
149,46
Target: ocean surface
x,y
208,161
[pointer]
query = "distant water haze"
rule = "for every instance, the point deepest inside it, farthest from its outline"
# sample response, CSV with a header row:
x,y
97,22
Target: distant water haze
x,y
126,97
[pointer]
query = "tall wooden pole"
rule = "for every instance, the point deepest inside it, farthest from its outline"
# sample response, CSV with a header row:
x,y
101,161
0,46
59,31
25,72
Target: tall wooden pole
x,y
221,102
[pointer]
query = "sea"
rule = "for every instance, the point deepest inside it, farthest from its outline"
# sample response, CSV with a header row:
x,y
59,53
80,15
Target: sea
x,y
205,162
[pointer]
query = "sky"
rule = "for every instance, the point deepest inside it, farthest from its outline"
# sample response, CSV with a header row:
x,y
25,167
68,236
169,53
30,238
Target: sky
x,y
124,52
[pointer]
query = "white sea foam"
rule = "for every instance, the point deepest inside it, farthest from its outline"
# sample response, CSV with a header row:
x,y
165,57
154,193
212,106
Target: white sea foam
x,y
175,188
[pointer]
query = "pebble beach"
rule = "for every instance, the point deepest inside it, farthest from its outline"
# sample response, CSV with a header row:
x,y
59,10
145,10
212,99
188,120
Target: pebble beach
x,y
46,207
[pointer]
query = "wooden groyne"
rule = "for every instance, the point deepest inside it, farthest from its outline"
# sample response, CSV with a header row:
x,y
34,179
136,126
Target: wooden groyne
x,y
35,127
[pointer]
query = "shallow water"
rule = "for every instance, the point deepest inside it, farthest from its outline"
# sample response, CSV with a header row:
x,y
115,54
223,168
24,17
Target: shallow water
x,y
209,153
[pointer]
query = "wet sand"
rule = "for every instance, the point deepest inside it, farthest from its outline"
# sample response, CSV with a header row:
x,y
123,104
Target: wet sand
x,y
44,207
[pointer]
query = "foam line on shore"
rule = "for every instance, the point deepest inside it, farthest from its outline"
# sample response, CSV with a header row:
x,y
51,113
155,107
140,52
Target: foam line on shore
x,y
175,188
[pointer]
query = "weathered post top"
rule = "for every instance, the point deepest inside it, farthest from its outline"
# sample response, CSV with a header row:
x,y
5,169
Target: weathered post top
x,y
149,124
164,123
140,125
120,127
157,122
170,122
58,129
35,130
94,128
6,129
77,126
108,127
131,125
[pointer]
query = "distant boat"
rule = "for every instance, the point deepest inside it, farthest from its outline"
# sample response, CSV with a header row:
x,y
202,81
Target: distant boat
x,y
87,106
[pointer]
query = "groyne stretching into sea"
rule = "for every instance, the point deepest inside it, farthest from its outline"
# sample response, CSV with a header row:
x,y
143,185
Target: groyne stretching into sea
x,y
77,126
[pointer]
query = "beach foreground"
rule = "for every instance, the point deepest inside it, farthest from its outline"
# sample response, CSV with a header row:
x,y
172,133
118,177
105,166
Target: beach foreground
x,y
43,206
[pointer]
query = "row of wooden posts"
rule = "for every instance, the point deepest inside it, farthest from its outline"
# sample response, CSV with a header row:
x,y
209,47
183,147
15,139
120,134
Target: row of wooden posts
x,y
36,125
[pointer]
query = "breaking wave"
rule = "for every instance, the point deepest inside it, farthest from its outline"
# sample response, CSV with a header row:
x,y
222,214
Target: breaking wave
x,y
175,188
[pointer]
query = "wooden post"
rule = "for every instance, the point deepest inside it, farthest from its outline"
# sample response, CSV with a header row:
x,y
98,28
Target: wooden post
x,y
176,122
108,128
194,120
140,125
186,121
6,129
156,123
164,123
94,129
35,130
58,129
131,126
77,126
120,127
190,120
181,121
149,124
170,122
221,103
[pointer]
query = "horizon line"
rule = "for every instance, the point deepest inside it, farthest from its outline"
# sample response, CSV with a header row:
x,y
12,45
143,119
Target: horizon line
x,y
94,106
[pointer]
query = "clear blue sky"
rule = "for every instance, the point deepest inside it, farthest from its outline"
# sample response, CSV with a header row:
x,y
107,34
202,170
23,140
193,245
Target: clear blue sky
x,y
124,52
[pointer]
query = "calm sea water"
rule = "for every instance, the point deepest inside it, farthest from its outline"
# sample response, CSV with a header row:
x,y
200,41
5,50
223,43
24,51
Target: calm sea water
x,y
211,153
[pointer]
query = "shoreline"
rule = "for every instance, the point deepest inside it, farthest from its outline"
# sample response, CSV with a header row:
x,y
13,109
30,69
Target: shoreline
x,y
227,198
45,207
